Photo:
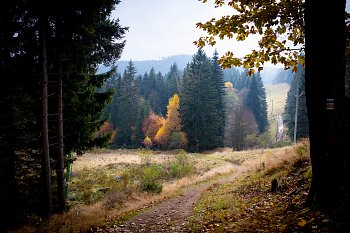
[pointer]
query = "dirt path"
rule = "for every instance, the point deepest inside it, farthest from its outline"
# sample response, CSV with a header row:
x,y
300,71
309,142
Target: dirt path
x,y
172,215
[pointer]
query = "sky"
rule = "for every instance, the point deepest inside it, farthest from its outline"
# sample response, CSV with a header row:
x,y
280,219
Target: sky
x,y
161,28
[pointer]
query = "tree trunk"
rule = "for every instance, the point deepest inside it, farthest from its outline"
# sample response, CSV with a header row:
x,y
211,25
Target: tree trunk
x,y
60,156
325,93
45,157
8,204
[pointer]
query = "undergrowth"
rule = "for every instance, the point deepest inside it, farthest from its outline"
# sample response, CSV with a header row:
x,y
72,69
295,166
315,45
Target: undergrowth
x,y
93,185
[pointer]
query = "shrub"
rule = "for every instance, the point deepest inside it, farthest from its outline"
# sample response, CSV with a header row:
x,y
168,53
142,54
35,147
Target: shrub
x,y
180,166
151,175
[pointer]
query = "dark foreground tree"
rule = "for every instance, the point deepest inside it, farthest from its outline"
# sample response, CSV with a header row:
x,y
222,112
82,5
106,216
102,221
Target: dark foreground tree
x,y
72,39
328,108
327,105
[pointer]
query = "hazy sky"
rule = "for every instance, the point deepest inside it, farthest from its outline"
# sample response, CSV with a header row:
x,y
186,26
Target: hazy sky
x,y
161,28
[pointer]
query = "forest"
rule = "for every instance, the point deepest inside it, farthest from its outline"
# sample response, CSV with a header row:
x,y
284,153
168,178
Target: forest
x,y
90,151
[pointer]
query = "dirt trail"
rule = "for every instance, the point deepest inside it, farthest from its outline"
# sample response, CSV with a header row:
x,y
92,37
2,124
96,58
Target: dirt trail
x,y
172,215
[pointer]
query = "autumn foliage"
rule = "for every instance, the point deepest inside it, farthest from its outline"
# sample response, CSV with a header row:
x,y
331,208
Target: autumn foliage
x,y
170,135
151,125
105,129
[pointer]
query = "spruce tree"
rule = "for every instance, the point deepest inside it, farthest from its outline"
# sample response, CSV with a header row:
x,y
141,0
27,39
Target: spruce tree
x,y
219,86
199,116
72,55
173,81
296,116
127,99
256,101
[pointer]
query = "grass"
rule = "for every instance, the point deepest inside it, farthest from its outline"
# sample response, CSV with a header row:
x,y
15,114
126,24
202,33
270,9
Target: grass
x,y
276,95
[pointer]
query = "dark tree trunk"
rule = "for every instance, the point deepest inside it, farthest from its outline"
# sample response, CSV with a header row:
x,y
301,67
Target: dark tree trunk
x,y
60,156
325,96
8,205
45,157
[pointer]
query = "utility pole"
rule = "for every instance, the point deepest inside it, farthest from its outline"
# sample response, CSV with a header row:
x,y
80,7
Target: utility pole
x,y
297,96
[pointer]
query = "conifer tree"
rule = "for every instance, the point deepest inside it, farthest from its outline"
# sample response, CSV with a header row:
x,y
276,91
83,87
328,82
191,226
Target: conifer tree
x,y
72,55
127,99
173,80
256,101
199,116
295,113
219,86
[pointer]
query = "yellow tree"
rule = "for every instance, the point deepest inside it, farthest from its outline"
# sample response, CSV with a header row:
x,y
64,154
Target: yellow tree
x,y
172,125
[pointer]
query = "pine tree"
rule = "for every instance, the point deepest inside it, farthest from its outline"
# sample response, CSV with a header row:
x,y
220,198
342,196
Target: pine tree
x,y
127,99
296,116
173,80
219,86
199,116
256,101
72,55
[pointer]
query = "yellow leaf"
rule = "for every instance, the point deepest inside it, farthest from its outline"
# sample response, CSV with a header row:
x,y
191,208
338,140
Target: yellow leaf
x,y
302,223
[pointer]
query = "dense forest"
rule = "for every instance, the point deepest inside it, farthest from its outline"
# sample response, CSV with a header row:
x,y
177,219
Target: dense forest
x,y
231,108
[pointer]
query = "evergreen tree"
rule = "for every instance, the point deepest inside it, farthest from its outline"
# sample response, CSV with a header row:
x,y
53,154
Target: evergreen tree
x,y
256,101
72,54
173,80
199,116
144,110
126,114
231,74
219,86
296,96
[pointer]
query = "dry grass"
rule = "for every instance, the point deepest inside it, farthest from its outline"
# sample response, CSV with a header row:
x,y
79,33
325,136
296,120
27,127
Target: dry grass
x,y
276,94
119,205
252,207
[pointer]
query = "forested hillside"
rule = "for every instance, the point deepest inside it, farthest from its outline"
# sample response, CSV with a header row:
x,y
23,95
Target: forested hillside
x,y
227,108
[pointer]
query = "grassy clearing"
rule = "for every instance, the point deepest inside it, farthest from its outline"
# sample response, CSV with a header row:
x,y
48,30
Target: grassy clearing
x,y
276,95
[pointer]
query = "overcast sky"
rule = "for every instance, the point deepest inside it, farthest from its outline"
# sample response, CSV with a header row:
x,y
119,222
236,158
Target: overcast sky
x,y
161,28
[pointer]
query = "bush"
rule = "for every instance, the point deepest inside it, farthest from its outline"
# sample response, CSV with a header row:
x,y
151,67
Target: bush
x,y
150,178
180,166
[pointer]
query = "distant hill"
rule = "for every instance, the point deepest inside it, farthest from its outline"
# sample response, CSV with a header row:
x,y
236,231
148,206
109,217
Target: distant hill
x,y
269,74
284,76
162,65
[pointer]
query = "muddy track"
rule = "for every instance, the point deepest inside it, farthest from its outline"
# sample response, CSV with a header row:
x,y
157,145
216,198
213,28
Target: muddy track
x,y
173,214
